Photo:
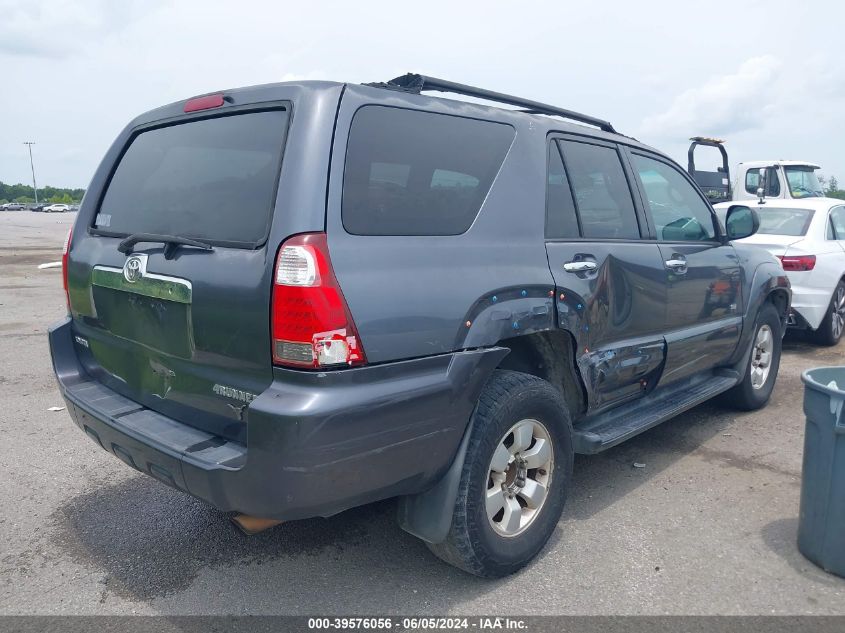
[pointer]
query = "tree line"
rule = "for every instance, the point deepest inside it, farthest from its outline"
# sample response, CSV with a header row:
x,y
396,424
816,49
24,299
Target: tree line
x,y
23,193
831,187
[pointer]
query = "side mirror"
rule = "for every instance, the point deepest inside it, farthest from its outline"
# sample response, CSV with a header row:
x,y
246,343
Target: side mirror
x,y
741,221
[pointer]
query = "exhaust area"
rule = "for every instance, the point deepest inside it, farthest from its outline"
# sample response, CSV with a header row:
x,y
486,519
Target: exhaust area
x,y
250,525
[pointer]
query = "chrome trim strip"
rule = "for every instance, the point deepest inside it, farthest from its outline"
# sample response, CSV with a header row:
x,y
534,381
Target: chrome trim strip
x,y
150,285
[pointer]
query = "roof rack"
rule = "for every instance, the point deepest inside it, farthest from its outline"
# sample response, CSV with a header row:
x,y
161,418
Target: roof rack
x,y
418,83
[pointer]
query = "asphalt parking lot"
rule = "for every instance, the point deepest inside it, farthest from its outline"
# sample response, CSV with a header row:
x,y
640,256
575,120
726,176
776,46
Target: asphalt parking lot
x,y
708,526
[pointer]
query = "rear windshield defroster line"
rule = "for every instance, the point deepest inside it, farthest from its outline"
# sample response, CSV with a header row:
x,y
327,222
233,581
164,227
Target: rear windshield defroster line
x,y
211,179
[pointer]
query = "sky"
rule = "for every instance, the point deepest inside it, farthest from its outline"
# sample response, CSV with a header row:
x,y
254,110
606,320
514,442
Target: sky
x,y
766,76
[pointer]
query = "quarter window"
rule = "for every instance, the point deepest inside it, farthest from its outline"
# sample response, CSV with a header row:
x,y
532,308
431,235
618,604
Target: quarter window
x,y
418,173
677,210
602,195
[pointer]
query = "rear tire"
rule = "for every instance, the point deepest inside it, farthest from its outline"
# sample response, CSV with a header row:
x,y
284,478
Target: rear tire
x,y
830,330
762,369
515,477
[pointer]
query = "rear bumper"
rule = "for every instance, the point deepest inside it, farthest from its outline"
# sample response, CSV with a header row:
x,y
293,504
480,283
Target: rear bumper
x,y
811,305
318,443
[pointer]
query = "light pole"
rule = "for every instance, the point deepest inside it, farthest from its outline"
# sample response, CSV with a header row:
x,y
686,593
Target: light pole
x,y
29,145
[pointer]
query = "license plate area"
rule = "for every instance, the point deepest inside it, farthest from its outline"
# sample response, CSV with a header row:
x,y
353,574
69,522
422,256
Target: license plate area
x,y
156,314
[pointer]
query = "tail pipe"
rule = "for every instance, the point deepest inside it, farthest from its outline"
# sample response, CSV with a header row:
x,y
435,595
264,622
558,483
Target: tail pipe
x,y
250,525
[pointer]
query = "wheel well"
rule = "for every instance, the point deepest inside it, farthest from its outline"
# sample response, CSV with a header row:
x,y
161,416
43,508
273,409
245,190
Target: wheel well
x,y
780,299
550,356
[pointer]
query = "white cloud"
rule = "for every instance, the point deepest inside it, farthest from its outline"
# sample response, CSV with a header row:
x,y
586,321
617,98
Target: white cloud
x,y
785,107
76,71
58,28
724,105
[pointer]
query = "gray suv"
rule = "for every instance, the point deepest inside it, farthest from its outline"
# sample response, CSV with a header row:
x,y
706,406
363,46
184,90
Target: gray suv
x,y
293,299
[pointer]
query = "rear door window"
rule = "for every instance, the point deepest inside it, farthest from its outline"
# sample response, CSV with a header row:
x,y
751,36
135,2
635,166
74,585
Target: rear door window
x,y
561,221
212,179
418,173
602,194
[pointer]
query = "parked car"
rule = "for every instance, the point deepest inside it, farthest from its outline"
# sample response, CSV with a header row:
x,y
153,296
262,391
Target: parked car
x,y
808,236
12,206
57,208
459,298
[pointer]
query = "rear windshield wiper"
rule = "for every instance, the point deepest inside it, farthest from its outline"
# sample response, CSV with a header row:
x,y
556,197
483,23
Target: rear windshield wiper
x,y
170,242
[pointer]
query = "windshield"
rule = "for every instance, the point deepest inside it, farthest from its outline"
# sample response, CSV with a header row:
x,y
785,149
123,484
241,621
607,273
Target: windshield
x,y
784,221
803,182
212,179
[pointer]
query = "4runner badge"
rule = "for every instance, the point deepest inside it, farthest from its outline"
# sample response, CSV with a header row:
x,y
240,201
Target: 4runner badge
x,y
235,394
134,268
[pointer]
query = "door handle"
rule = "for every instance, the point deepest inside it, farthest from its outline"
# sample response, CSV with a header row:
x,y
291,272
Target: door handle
x,y
580,266
676,264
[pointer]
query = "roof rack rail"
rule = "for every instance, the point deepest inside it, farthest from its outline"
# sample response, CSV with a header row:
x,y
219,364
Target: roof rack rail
x,y
414,83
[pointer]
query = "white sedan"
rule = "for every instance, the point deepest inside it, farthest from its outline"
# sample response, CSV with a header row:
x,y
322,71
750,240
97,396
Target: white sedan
x,y
808,236
56,208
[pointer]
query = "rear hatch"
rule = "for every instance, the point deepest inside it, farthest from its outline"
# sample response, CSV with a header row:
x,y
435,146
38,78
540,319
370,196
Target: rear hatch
x,y
183,329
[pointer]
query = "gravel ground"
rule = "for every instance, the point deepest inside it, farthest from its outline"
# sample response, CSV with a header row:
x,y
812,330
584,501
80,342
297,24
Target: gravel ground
x,y
707,527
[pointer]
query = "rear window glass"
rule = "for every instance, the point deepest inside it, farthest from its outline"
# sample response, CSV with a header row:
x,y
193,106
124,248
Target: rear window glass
x,y
561,221
418,173
774,221
212,179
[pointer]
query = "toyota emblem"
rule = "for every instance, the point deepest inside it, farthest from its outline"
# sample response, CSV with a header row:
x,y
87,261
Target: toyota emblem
x,y
133,269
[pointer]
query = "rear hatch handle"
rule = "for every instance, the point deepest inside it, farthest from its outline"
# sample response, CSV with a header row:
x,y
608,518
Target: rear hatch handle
x,y
170,243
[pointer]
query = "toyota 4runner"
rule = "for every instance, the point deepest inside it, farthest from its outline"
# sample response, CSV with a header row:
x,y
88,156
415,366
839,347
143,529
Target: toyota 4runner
x,y
293,299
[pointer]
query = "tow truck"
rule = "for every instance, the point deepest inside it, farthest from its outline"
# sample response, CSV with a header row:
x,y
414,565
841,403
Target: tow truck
x,y
755,180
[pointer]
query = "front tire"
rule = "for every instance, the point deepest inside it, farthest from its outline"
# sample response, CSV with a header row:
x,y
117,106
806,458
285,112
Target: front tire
x,y
515,477
762,369
833,324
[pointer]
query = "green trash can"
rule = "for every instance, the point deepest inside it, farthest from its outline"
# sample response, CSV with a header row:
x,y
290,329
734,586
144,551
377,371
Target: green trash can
x,y
821,523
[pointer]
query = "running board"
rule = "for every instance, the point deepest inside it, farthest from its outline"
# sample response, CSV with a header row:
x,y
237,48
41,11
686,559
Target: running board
x,y
595,434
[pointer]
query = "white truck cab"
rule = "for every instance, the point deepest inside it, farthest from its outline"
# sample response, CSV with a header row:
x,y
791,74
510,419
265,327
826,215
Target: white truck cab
x,y
754,180
785,179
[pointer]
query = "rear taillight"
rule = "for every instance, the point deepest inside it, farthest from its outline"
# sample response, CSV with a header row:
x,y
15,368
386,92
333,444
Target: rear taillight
x,y
310,321
65,253
798,262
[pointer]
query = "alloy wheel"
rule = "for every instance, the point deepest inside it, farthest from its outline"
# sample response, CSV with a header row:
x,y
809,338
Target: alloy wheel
x,y
837,317
761,356
519,477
